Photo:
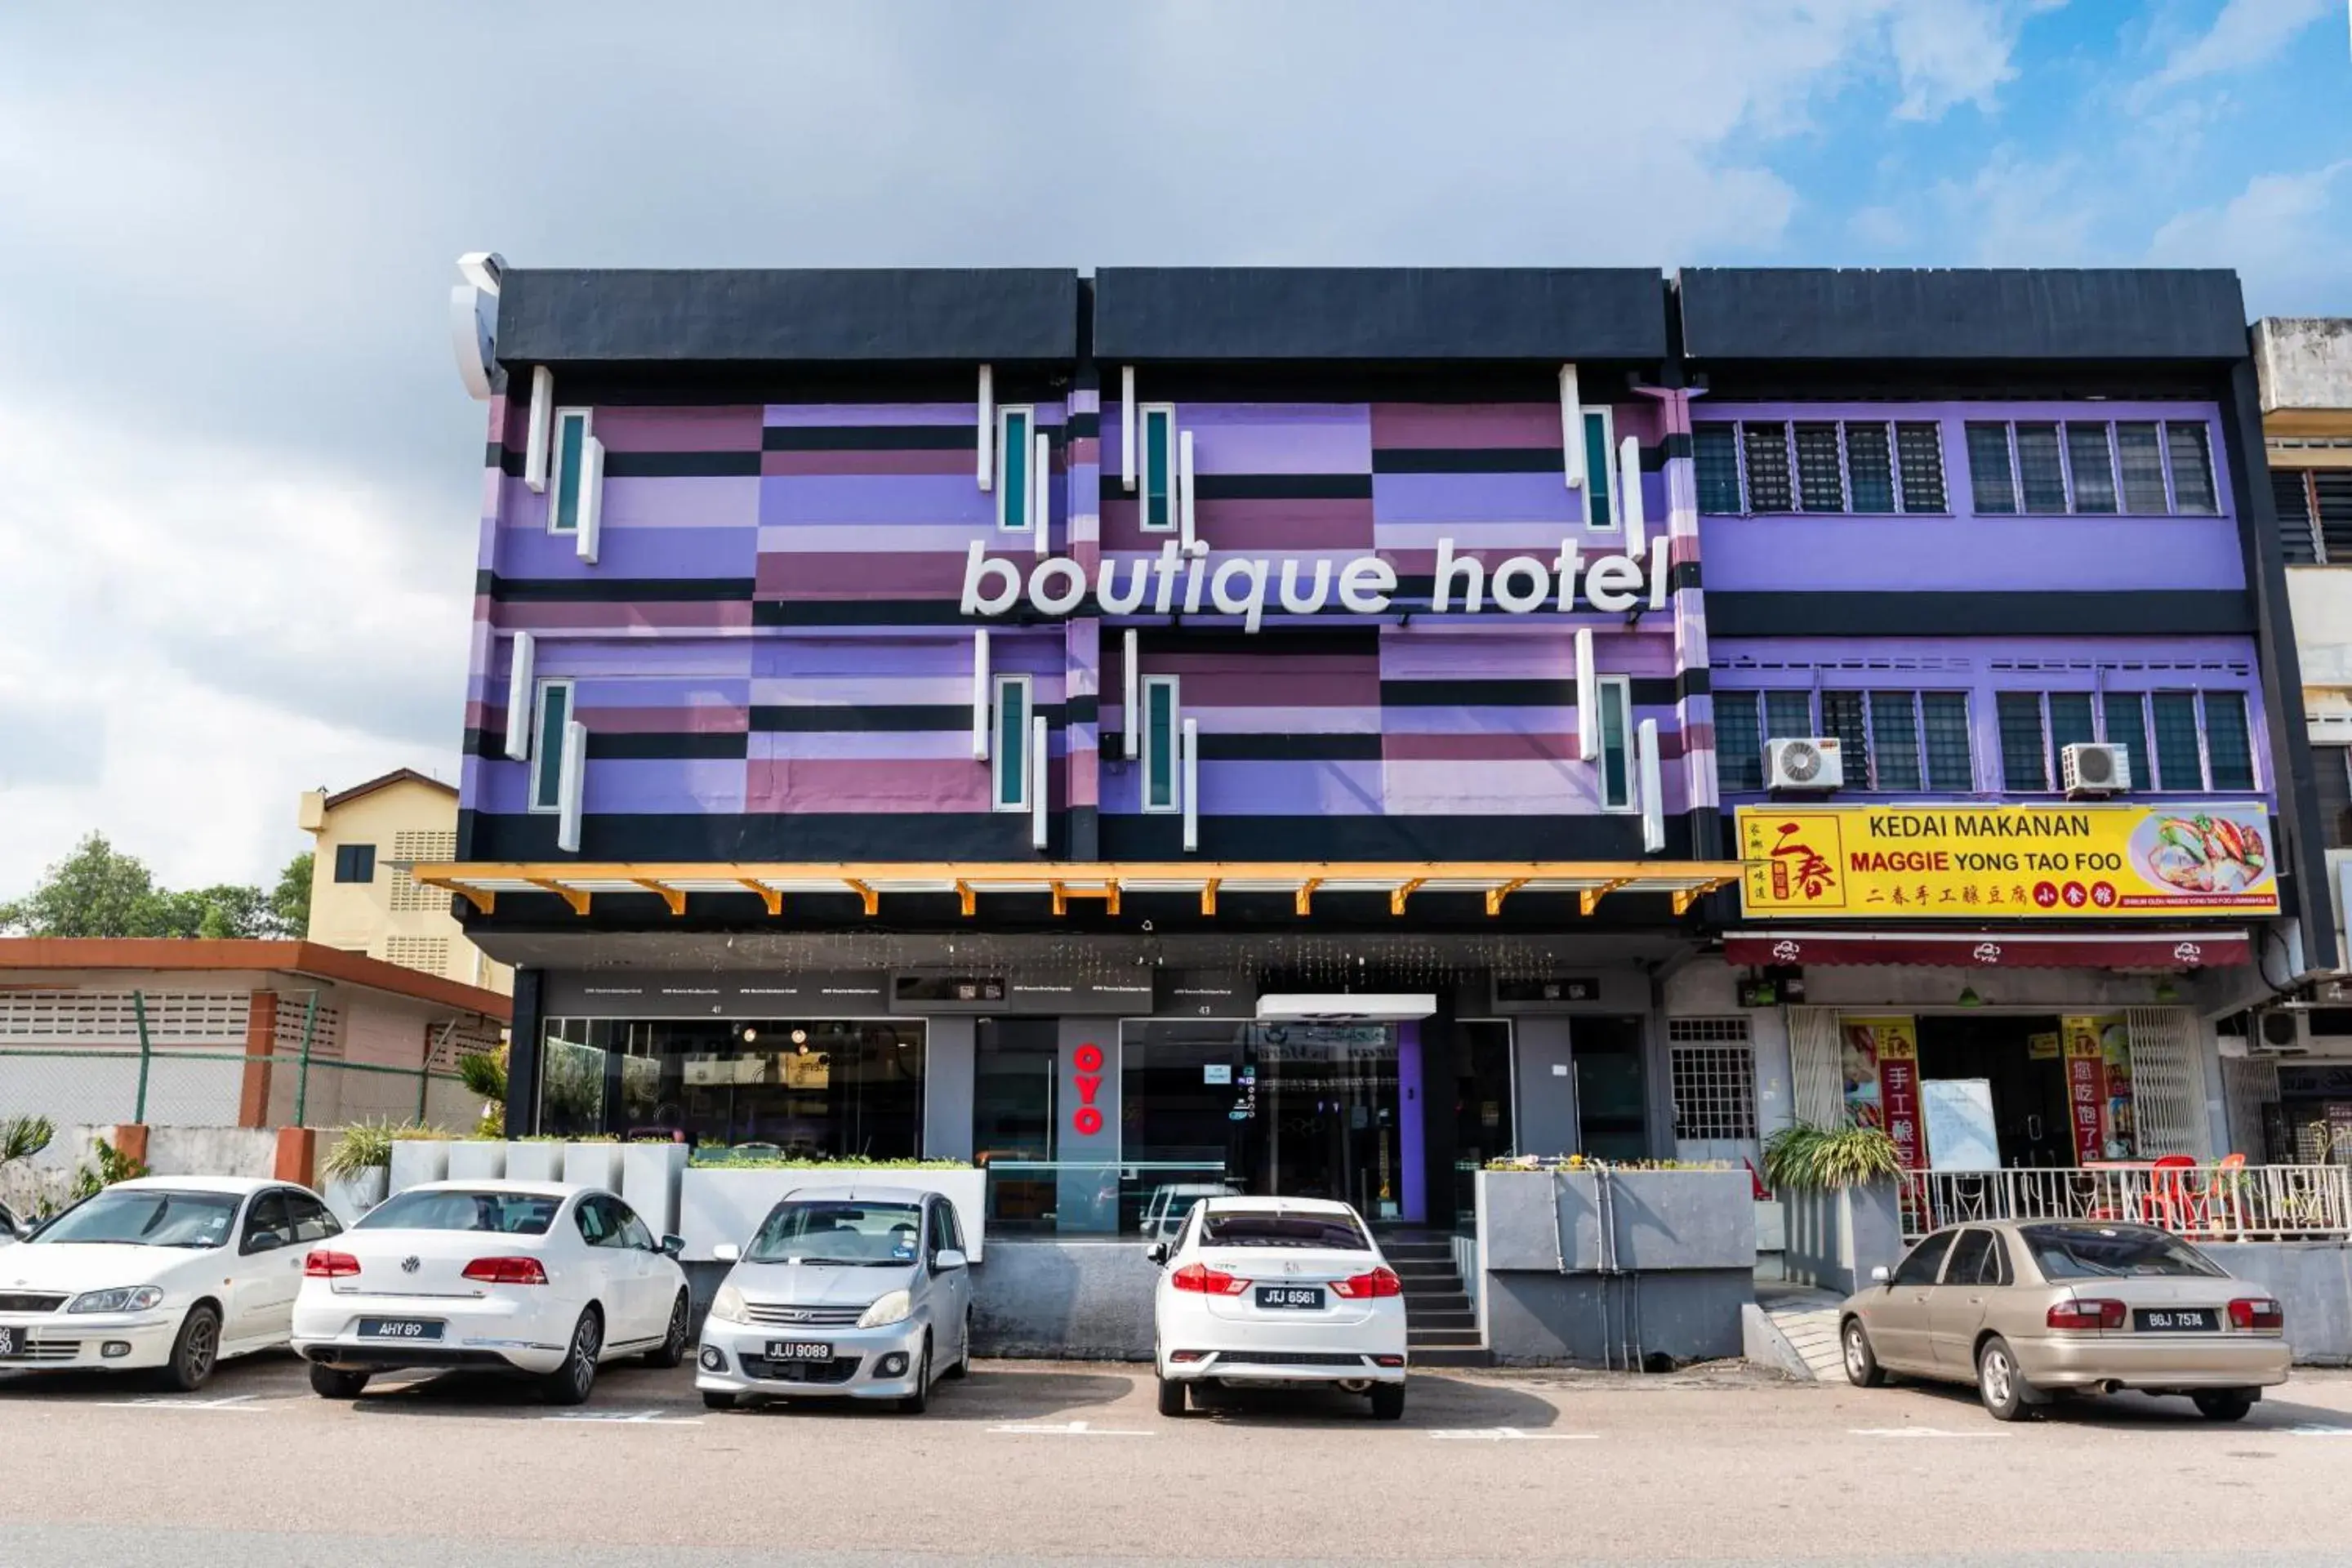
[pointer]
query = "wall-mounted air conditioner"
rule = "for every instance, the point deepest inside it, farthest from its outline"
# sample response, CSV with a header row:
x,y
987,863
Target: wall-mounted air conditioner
x,y
2092,770
2280,1032
1812,763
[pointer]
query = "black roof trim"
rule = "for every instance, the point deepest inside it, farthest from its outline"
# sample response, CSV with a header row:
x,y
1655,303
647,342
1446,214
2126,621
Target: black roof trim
x,y
2011,313
622,316
1386,315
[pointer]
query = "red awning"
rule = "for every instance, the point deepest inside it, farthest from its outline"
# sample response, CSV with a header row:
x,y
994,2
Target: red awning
x,y
1994,950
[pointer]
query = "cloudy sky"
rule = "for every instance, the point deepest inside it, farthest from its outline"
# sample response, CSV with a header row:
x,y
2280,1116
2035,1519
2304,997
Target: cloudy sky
x,y
238,475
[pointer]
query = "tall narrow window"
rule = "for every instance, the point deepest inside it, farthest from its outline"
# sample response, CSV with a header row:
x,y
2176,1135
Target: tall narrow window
x,y
2039,471
1715,447
2124,716
1738,753
1919,450
1869,466
2093,466
1012,427
1842,719
1010,755
1788,715
1162,723
2178,760
2024,749
1159,467
547,745
1765,445
2229,745
1599,469
2142,458
1616,743
1820,478
1944,722
572,431
1893,740
2298,527
2192,467
1991,485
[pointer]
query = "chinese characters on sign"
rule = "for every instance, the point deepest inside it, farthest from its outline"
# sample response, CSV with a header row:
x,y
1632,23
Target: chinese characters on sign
x,y
1882,1081
2086,1087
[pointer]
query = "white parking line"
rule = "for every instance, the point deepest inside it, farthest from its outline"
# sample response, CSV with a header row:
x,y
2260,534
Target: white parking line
x,y
1916,1432
242,1402
2319,1431
1072,1429
1512,1434
627,1417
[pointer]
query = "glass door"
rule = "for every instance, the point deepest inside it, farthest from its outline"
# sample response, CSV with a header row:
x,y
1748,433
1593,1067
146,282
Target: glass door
x,y
1327,1104
1611,1109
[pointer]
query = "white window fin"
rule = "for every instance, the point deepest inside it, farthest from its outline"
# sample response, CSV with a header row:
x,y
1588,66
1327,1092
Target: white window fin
x,y
1126,426
519,690
1572,428
542,424
1588,699
981,715
984,428
1629,491
1652,790
574,786
591,499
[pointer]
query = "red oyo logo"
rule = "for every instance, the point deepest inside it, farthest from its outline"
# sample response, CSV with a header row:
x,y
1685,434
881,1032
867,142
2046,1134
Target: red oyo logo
x,y
1088,1119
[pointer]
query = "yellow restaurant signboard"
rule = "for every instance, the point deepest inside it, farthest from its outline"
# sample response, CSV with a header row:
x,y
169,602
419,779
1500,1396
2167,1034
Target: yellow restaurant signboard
x,y
1964,862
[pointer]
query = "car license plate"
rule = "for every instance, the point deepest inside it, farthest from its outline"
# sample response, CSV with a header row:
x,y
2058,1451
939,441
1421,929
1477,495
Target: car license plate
x,y
799,1350
2175,1321
1307,1296
10,1343
398,1329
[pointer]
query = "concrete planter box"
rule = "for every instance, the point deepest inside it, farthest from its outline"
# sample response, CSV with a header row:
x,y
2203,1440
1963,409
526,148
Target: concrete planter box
x,y
649,1181
415,1161
592,1164
1551,1220
719,1205
478,1160
1837,1236
534,1162
351,1196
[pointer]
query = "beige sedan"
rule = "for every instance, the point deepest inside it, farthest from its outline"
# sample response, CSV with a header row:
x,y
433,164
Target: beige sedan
x,y
2027,1308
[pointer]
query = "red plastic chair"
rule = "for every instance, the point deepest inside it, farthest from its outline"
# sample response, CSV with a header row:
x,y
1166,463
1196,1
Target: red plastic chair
x,y
2170,1201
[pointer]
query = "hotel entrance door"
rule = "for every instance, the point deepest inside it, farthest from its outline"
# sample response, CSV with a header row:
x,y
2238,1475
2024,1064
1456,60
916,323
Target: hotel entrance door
x,y
1327,1124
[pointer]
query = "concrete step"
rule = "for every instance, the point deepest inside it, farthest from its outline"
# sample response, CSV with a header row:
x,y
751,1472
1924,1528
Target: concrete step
x,y
1452,1356
1444,1339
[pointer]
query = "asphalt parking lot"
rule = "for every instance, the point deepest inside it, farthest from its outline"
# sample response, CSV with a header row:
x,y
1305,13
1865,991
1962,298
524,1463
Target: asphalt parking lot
x,y
1037,1461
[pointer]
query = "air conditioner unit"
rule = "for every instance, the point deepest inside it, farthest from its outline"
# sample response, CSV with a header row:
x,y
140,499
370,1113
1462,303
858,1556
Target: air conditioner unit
x,y
1811,763
2094,770
2281,1032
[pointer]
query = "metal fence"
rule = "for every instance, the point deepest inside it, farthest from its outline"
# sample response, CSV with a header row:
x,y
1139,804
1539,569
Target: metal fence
x,y
178,1086
2210,1203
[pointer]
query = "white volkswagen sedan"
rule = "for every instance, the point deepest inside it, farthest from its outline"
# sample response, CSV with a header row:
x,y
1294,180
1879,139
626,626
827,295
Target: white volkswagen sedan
x,y
1254,1292
545,1278
173,1274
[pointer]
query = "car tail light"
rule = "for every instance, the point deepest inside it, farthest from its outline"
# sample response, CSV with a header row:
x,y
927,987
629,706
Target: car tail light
x,y
507,1271
325,1265
1388,1361
2087,1314
2257,1312
1188,1355
1381,1281
1208,1281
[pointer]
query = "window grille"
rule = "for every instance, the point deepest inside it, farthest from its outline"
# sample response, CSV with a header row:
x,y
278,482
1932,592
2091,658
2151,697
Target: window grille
x,y
294,1016
425,846
110,1018
2168,1086
409,895
427,953
1714,1070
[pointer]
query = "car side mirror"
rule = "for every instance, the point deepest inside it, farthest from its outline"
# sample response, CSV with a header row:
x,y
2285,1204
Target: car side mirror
x,y
946,1257
726,1251
264,1241
671,1246
1158,1253
1881,1275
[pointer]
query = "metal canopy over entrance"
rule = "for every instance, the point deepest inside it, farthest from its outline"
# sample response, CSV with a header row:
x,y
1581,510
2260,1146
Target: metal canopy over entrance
x,y
579,883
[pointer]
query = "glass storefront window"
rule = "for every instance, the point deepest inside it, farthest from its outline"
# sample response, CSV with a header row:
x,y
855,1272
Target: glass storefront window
x,y
805,1088
1012,1096
1483,1093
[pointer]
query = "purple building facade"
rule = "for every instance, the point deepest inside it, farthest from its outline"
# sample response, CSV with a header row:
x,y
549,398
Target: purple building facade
x,y
1284,729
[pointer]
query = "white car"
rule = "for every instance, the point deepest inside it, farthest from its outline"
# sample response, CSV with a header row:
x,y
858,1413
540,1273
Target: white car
x,y
1255,1291
175,1273
545,1279
847,1292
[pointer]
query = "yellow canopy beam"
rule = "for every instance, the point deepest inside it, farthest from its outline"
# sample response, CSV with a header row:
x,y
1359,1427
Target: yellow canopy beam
x,y
1397,894
672,896
768,896
575,897
1494,896
1588,899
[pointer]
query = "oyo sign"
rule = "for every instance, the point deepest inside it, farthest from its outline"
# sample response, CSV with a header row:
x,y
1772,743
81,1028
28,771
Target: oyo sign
x,y
1179,578
1088,1119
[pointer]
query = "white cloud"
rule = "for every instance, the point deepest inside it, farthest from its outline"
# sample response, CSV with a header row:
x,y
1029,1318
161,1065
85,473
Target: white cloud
x,y
1949,54
2284,234
2021,208
2246,33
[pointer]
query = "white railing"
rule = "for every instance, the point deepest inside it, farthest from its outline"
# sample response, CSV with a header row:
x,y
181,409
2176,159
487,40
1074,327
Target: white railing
x,y
2210,1203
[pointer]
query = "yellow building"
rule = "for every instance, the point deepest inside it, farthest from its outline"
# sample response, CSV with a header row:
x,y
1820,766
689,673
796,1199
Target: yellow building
x,y
361,901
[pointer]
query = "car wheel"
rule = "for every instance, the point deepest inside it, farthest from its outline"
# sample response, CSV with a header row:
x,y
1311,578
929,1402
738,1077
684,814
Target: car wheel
x,y
915,1404
1388,1401
1173,1397
570,1384
2224,1405
196,1351
963,1368
673,1345
2000,1384
1861,1368
334,1383
714,1400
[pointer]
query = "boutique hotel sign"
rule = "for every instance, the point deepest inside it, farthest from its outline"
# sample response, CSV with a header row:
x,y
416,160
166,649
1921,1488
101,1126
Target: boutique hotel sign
x,y
1928,862
1181,579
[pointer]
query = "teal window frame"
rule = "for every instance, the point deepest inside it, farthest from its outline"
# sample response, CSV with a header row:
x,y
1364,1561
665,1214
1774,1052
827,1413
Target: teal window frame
x,y
1599,469
567,459
551,710
1156,499
1016,442
1615,693
1163,729
1011,719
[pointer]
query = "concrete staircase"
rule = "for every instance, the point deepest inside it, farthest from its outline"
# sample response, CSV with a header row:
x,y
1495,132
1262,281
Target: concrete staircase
x,y
1441,1325
1808,1319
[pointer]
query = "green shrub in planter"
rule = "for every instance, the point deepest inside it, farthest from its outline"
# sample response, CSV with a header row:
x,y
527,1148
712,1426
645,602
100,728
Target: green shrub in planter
x,y
1802,1157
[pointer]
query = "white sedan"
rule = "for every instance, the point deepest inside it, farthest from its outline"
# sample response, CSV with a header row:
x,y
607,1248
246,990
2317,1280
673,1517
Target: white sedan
x,y
169,1273
540,1277
1255,1291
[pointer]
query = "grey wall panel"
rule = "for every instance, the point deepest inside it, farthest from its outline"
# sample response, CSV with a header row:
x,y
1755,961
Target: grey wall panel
x,y
948,1063
1547,1079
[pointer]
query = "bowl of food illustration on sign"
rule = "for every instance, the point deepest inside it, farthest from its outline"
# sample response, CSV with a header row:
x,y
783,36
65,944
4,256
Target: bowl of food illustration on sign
x,y
2203,851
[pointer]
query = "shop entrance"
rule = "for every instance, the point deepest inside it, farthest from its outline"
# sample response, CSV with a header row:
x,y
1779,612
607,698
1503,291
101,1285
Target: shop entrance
x,y
2019,1058
1327,1115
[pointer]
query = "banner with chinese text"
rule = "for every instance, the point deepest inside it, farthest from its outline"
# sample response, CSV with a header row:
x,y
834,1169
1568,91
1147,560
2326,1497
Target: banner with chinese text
x,y
1882,1081
2005,862
2099,1085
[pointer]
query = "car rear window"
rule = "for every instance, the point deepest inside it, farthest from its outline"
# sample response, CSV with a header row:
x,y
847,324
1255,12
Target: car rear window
x,y
1266,1227
502,1213
2111,1252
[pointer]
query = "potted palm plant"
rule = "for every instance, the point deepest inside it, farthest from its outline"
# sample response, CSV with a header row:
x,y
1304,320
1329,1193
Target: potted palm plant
x,y
1840,1187
358,1168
